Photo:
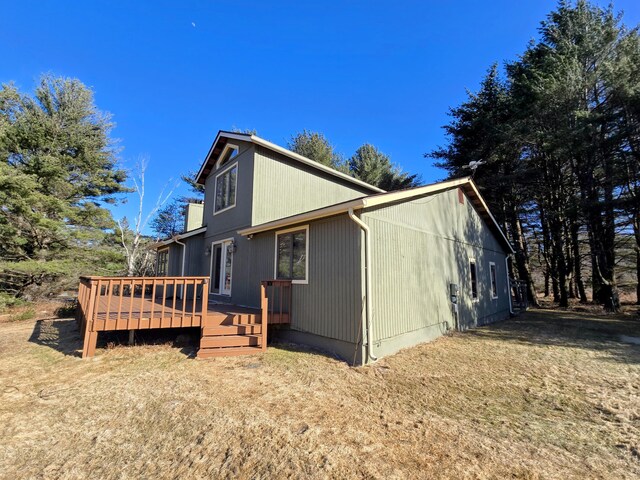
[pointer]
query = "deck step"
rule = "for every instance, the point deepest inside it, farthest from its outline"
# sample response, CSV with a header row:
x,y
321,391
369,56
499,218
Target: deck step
x,y
227,352
230,341
213,320
233,329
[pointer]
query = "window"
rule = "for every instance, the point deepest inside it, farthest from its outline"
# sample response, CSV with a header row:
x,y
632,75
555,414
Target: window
x,y
494,280
292,249
229,152
474,279
162,266
225,195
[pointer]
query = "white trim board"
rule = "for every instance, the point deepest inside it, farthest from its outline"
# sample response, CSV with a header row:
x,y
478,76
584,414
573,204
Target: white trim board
x,y
304,228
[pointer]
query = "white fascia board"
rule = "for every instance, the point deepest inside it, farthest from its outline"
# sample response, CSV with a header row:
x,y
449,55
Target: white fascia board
x,y
235,136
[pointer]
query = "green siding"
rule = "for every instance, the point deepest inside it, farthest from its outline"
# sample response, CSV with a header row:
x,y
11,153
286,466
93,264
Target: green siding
x,y
418,249
239,216
330,304
283,187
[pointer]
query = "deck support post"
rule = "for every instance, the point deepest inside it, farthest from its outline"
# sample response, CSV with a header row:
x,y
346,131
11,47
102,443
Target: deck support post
x,y
89,344
132,337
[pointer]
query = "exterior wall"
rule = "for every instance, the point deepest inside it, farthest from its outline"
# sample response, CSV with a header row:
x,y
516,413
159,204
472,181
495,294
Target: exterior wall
x,y
194,257
418,249
284,187
330,304
239,216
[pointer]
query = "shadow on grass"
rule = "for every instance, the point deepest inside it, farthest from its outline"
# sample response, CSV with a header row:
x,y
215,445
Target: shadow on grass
x,y
601,333
63,336
60,335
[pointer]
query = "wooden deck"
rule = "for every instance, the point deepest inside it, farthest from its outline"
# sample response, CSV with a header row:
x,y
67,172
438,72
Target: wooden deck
x,y
143,313
137,303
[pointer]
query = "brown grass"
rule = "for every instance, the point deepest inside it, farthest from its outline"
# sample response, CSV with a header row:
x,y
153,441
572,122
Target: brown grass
x,y
547,395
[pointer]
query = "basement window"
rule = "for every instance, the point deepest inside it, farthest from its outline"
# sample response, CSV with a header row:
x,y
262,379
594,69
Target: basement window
x,y
474,279
225,194
494,280
292,255
162,265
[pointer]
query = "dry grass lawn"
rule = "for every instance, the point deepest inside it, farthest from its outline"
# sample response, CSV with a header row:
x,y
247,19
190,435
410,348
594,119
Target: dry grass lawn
x,y
547,395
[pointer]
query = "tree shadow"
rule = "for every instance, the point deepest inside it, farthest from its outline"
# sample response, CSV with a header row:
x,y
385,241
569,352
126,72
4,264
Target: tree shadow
x,y
60,335
600,333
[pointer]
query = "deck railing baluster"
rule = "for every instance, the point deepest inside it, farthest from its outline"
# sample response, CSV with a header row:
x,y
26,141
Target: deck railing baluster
x,y
173,308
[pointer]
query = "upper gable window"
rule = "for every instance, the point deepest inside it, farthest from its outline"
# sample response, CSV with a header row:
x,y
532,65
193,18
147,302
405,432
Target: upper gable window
x,y
225,194
228,153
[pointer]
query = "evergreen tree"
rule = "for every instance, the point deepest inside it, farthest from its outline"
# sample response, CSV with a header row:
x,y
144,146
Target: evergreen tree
x,y
316,147
58,170
374,167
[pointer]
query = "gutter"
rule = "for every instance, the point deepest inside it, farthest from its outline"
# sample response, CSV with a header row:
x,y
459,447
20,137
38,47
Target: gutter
x,y
367,268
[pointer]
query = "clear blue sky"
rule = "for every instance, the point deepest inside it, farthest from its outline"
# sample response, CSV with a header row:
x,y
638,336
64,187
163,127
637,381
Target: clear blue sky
x,y
358,71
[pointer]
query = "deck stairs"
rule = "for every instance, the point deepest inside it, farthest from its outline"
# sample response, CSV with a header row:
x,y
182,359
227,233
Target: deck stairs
x,y
231,334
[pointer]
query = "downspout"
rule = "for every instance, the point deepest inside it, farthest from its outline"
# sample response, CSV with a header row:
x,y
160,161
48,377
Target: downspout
x,y
367,288
506,269
184,253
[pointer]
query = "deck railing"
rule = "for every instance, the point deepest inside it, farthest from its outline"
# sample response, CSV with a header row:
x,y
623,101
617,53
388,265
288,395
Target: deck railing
x,y
276,300
132,303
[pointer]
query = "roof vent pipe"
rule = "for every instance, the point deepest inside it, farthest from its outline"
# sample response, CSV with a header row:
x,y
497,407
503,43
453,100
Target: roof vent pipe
x,y
367,288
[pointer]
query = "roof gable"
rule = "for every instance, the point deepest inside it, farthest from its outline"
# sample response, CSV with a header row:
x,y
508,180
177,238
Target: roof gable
x,y
224,137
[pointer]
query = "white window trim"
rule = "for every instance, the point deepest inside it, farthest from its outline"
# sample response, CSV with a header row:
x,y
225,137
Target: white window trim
x,y
495,267
306,253
227,147
213,244
162,250
215,188
477,299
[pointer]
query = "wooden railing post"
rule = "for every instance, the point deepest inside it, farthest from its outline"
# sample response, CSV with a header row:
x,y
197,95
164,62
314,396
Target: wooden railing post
x,y
90,335
264,313
205,300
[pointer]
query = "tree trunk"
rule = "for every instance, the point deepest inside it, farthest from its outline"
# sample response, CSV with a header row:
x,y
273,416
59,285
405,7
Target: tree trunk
x,y
521,257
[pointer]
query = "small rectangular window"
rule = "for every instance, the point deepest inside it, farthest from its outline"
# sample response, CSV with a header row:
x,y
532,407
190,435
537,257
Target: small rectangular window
x,y
494,280
162,266
291,255
474,279
225,195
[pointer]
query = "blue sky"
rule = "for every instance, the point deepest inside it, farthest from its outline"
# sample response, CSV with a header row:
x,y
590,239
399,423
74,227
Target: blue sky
x,y
358,71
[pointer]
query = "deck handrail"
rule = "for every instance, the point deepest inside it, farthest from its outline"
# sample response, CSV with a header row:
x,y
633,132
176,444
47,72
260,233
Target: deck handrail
x,y
278,295
136,290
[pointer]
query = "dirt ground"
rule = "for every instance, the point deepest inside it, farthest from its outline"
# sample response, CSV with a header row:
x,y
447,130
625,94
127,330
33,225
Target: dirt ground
x,y
549,394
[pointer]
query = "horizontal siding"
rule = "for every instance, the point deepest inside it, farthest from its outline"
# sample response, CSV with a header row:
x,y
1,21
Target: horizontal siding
x,y
283,187
418,249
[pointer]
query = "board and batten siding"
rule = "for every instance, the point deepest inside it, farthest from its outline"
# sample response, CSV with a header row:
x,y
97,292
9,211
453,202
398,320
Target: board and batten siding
x,y
330,305
239,216
283,187
418,249
194,257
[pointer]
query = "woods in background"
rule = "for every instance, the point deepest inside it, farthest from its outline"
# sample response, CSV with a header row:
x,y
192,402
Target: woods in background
x,y
560,134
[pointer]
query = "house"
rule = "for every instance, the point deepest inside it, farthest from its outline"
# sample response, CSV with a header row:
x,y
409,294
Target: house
x,y
352,270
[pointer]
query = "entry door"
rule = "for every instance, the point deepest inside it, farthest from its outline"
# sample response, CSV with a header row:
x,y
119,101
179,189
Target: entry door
x,y
222,267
